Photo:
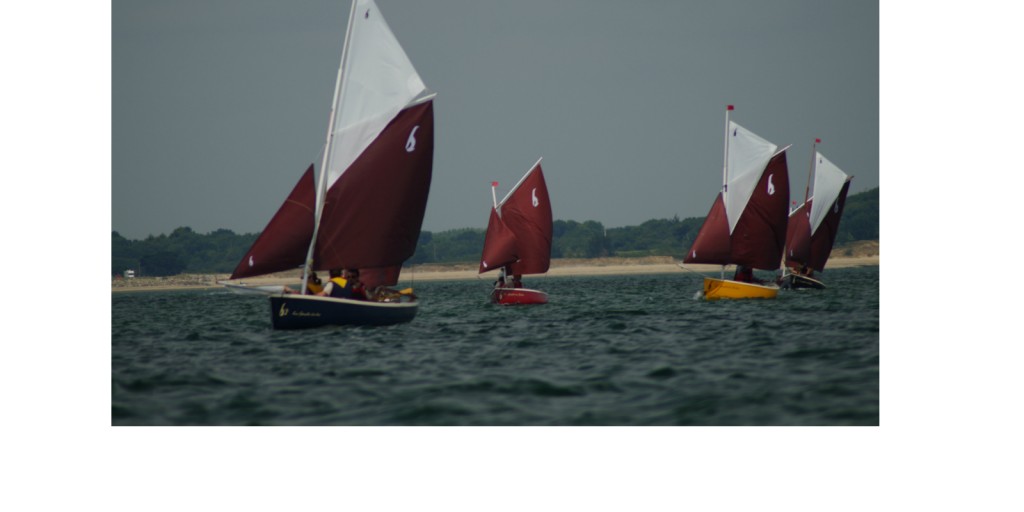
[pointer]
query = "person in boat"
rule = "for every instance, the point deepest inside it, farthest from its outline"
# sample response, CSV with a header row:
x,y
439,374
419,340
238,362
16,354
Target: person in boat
x,y
517,281
313,285
358,289
745,274
340,285
500,282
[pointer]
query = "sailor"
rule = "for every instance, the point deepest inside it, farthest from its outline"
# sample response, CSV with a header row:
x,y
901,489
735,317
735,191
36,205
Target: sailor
x,y
314,286
500,282
517,281
358,289
338,285
745,274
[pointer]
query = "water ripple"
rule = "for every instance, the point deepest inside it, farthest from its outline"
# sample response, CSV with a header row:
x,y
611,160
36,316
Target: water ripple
x,y
605,351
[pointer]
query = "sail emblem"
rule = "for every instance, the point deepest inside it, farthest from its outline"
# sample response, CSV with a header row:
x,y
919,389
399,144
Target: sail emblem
x,y
367,15
536,203
485,264
771,186
410,145
250,261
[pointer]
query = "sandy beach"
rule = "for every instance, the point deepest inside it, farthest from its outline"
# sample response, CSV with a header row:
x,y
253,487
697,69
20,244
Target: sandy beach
x,y
855,255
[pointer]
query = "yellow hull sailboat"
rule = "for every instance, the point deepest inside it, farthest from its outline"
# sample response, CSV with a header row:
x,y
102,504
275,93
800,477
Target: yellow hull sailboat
x,y
746,226
715,289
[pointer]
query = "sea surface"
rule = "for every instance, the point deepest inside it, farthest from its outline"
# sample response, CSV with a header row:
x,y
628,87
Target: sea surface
x,y
612,350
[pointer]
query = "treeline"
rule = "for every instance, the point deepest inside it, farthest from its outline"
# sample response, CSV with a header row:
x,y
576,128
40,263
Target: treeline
x,y
185,251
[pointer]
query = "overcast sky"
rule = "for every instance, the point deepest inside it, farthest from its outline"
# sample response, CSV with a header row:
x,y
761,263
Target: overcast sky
x,y
218,106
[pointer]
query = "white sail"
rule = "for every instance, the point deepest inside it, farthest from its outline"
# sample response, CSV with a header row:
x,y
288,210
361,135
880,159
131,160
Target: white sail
x,y
377,82
828,182
747,156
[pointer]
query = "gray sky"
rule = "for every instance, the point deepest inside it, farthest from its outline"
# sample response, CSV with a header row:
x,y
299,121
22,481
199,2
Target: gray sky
x,y
218,106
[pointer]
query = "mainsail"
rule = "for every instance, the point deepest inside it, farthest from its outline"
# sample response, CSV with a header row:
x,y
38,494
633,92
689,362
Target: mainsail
x,y
747,221
520,228
813,225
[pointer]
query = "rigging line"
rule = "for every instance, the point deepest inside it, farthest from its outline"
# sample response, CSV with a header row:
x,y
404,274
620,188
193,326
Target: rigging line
x,y
680,265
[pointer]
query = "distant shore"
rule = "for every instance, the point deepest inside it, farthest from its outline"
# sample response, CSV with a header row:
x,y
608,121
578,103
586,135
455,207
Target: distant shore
x,y
865,256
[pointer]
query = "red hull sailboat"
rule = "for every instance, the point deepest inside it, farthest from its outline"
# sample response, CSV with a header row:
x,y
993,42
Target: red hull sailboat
x,y
813,225
747,222
366,209
518,239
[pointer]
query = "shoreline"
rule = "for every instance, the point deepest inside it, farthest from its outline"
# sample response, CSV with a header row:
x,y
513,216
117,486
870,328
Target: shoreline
x,y
437,272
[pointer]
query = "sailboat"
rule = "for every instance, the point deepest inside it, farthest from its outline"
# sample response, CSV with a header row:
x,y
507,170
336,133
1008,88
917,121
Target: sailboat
x,y
813,225
747,222
366,208
518,239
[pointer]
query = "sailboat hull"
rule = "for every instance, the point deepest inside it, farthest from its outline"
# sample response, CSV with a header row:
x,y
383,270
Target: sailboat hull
x,y
798,281
308,311
518,296
715,289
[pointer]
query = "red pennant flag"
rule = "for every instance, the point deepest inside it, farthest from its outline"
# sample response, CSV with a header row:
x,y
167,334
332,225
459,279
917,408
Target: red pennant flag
x,y
730,107
817,141
494,183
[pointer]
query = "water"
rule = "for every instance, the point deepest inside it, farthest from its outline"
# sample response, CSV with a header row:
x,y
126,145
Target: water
x,y
614,350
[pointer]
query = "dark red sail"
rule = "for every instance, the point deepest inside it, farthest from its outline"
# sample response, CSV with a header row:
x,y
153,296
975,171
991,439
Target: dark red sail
x,y
712,244
499,245
373,213
284,242
825,236
527,213
380,276
760,234
798,237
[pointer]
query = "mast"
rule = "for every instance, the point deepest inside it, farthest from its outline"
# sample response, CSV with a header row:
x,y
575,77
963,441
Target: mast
x,y
321,190
725,166
810,173
725,156
494,195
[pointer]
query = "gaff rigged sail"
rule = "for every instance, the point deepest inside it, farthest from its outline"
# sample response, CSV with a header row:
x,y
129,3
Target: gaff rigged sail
x,y
747,221
525,213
